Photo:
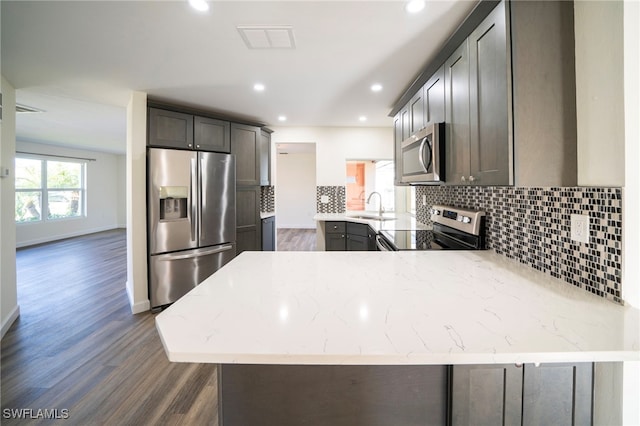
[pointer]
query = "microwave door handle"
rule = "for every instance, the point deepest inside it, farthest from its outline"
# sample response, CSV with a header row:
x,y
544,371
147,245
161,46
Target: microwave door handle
x,y
421,154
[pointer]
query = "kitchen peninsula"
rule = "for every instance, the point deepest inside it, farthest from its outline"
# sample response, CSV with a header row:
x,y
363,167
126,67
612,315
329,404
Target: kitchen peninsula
x,y
394,309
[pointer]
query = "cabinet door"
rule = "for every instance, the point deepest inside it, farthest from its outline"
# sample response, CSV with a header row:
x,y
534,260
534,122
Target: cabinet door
x,y
397,152
269,234
265,158
457,114
170,129
405,121
416,112
212,135
486,395
335,242
248,232
488,108
557,394
245,144
434,98
357,243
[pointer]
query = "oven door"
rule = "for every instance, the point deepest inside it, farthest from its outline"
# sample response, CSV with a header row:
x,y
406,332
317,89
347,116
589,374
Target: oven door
x,y
422,155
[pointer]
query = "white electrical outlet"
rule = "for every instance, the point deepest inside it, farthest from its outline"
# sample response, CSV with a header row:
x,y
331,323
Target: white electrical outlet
x,y
424,200
580,228
324,199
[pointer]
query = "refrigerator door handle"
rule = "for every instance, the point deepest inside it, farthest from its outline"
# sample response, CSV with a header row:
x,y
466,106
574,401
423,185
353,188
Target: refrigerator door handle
x,y
192,255
194,198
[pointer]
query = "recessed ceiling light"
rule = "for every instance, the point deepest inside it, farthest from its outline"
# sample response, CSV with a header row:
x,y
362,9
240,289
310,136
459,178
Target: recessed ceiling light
x,y
282,118
376,87
362,118
415,6
199,5
258,87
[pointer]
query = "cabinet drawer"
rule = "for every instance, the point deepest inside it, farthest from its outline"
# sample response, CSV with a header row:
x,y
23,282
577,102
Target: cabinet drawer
x,y
335,228
357,229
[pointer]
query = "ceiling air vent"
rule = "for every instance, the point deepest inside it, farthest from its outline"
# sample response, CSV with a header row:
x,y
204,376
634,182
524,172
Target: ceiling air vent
x,y
25,108
267,37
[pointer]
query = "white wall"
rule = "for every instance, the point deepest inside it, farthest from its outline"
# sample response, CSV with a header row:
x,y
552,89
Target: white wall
x,y
104,185
631,198
122,191
335,145
600,92
9,309
296,190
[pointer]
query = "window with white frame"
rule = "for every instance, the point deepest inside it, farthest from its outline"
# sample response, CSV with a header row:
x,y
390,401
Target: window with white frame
x,y
49,189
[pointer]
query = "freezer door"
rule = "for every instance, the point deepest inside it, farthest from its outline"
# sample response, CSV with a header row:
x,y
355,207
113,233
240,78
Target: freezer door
x,y
171,192
217,184
173,275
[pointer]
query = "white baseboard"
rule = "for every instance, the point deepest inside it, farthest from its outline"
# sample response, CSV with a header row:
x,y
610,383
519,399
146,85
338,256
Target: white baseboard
x,y
48,239
139,307
13,316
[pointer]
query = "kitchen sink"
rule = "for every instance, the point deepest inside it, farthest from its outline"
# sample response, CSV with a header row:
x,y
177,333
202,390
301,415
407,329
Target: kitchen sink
x,y
371,217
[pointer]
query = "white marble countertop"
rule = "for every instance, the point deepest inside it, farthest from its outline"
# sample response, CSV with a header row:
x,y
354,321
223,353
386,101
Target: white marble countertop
x,y
411,307
264,215
397,221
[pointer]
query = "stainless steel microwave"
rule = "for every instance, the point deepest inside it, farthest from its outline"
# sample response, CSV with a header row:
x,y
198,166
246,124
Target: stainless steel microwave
x,y
423,155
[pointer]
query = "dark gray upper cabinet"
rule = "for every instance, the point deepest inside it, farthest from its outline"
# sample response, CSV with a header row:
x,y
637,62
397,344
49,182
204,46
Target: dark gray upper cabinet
x,y
265,158
479,148
245,144
416,112
489,103
170,129
405,121
211,134
434,100
457,115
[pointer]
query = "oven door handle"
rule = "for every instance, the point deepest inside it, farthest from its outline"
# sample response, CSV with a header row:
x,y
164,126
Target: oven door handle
x,y
382,244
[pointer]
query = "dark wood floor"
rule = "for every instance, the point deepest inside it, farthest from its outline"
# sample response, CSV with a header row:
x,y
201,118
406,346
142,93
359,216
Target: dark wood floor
x,y
296,239
77,347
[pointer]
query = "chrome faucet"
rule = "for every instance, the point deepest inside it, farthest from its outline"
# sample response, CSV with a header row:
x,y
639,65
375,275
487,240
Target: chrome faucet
x,y
379,205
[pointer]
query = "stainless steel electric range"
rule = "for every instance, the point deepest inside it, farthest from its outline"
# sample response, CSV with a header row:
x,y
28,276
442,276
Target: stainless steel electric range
x,y
453,229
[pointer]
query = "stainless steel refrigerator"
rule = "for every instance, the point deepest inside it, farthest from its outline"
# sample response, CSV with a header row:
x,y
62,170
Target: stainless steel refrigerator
x,y
191,205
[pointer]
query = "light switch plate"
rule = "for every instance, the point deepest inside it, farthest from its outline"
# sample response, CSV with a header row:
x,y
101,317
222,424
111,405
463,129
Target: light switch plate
x,y
580,228
324,199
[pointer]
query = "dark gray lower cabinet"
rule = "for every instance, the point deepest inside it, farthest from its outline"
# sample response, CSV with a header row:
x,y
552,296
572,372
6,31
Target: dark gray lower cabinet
x,y
357,237
486,394
336,395
557,394
248,232
550,394
335,236
349,236
269,234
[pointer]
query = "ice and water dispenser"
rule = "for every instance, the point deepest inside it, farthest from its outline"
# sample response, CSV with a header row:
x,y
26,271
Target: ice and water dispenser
x,y
173,202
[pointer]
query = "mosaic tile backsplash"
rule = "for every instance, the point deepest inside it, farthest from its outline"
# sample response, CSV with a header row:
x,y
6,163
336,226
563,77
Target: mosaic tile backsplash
x,y
532,225
336,197
267,199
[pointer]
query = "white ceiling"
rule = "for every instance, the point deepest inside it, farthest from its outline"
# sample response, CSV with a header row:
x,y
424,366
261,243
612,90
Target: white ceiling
x,y
79,61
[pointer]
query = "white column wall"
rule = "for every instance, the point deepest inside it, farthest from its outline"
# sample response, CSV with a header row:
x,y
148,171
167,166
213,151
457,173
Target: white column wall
x,y
136,201
9,309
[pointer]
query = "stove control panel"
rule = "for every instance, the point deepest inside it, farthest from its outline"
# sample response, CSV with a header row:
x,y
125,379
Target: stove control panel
x,y
464,220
